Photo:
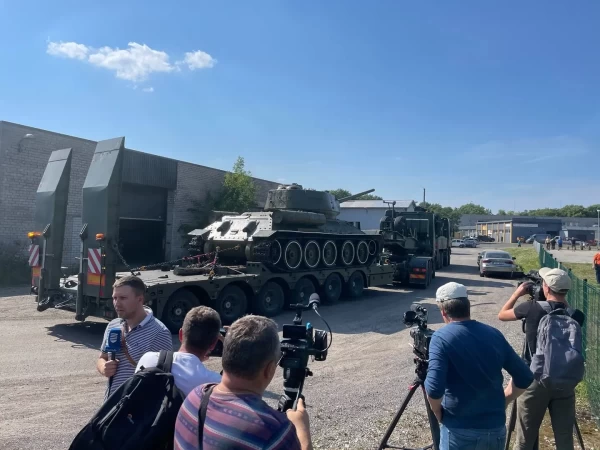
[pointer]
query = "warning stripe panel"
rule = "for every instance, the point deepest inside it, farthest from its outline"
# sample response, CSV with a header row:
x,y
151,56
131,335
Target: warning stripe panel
x,y
96,280
34,255
95,261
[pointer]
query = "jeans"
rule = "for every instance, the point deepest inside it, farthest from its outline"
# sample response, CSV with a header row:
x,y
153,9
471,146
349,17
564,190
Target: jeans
x,y
472,439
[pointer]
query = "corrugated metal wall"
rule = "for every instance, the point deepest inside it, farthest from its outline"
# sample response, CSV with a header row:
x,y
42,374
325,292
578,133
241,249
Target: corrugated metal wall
x,y
149,170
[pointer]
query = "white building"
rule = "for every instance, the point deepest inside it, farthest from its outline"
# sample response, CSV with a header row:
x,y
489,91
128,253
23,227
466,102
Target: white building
x,y
370,212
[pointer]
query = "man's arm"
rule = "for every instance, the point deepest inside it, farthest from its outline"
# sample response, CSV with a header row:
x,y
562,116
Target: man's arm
x,y
300,420
520,373
507,313
435,383
103,365
162,341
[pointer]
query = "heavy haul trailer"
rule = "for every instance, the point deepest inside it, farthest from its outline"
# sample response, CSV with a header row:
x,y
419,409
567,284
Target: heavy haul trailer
x,y
172,291
417,244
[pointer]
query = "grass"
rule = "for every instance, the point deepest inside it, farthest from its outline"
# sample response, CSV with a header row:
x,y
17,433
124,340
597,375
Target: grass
x,y
583,271
527,257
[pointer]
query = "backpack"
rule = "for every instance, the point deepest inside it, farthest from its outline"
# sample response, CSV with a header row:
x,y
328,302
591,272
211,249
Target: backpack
x,y
558,360
140,414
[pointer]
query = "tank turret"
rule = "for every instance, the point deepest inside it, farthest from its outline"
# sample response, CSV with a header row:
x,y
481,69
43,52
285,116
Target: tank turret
x,y
297,229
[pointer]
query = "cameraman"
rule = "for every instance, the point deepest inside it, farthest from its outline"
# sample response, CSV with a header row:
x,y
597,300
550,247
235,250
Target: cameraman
x,y
464,381
236,415
532,406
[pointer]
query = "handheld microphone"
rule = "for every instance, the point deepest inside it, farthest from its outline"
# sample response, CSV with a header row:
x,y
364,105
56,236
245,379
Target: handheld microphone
x,y
113,343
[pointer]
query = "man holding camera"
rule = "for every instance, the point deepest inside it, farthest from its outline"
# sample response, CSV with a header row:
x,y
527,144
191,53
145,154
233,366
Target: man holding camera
x,y
232,413
464,381
532,405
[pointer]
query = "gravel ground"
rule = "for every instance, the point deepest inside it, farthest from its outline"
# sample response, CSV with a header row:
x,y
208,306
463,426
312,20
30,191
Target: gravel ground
x,y
50,387
577,256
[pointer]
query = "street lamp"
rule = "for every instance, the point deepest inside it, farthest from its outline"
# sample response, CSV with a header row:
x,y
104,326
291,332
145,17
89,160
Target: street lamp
x,y
27,136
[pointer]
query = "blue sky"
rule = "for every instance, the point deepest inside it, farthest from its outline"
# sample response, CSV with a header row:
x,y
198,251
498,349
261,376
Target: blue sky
x,y
492,102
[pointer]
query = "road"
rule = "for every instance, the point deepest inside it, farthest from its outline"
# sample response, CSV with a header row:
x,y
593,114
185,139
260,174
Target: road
x,y
50,387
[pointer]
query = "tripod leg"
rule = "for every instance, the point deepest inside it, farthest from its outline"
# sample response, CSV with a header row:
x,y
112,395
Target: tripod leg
x,y
578,433
434,425
392,426
511,424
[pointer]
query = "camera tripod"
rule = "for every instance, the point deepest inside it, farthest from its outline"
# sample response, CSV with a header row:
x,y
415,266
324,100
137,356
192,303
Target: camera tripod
x,y
513,414
434,426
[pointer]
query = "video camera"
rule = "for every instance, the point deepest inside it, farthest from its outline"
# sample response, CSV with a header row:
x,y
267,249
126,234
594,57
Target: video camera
x,y
535,291
417,318
298,344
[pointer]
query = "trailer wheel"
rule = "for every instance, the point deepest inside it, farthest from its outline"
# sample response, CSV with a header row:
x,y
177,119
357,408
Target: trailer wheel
x,y
270,300
303,290
232,303
355,285
177,307
332,288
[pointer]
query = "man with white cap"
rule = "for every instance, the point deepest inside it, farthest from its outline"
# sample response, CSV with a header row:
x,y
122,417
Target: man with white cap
x,y
464,381
532,405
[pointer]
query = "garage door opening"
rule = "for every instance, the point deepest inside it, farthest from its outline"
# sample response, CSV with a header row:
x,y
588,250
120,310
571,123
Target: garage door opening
x,y
142,241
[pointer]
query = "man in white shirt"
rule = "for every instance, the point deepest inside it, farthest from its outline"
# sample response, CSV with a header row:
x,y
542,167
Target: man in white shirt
x,y
198,336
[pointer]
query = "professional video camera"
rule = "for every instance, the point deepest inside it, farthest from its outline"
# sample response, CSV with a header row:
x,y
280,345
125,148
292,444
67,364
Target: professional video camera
x,y
417,318
534,290
298,344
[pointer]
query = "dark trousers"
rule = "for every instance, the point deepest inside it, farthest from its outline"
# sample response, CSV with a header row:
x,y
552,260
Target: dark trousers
x,y
598,274
531,408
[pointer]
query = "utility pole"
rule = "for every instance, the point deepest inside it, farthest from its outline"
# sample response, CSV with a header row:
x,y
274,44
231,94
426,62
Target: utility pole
x,y
423,195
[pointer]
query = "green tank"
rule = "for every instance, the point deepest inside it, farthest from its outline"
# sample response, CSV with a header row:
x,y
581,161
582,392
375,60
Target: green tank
x,y
297,230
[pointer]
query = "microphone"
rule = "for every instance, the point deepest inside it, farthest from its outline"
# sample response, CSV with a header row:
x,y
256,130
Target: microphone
x,y
314,301
113,343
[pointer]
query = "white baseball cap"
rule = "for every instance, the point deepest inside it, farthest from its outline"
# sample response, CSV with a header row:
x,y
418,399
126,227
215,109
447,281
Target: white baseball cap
x,y
450,291
558,280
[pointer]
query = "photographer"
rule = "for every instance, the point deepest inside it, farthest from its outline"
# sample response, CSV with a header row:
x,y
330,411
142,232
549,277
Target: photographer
x,y
235,414
464,382
532,405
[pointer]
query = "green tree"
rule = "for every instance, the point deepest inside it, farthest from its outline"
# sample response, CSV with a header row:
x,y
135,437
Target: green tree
x,y
501,212
341,193
472,208
239,191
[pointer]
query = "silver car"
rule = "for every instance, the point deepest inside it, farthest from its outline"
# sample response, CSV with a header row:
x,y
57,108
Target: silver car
x,y
495,262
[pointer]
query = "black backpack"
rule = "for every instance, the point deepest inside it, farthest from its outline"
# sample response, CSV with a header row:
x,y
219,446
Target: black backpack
x,y
139,415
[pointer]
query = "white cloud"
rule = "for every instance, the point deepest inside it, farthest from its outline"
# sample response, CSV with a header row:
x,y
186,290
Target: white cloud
x,y
198,60
68,50
135,63
148,89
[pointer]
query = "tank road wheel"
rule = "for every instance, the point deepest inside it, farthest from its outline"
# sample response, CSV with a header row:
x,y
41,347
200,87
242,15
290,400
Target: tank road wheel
x,y
347,253
332,288
312,254
355,285
270,300
362,252
293,255
303,290
275,252
232,303
329,253
180,302
372,247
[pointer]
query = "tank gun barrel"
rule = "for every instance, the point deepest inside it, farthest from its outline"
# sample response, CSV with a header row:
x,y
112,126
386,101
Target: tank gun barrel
x,y
352,197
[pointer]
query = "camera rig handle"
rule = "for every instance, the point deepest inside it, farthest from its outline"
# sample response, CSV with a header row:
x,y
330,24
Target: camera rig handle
x,y
313,303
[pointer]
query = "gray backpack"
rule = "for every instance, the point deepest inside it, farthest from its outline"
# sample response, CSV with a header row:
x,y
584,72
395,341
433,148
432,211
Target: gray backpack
x,y
558,361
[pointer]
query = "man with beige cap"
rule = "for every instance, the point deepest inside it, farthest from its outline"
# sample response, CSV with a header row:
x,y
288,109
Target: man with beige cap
x,y
532,405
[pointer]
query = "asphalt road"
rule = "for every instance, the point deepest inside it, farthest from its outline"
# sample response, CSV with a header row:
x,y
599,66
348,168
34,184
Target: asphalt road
x,y
50,387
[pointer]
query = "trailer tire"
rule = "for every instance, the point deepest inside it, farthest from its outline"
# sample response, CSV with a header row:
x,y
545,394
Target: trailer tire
x,y
231,304
355,285
178,305
270,300
303,289
332,288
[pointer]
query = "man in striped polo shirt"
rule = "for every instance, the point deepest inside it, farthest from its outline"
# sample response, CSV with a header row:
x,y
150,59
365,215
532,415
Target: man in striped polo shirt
x,y
236,415
141,333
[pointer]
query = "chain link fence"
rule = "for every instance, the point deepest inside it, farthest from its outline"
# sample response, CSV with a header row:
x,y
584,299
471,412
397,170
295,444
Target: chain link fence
x,y
587,299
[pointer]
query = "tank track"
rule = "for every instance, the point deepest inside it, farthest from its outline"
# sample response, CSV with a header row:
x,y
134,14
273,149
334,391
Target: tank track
x,y
291,252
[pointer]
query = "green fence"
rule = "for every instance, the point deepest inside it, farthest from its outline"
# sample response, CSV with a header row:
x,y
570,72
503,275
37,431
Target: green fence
x,y
587,299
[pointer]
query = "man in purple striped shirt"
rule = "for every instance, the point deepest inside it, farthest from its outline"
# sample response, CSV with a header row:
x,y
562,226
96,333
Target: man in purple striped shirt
x,y
236,416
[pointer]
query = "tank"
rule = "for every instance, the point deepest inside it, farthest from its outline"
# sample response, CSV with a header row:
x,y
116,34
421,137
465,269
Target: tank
x,y
297,230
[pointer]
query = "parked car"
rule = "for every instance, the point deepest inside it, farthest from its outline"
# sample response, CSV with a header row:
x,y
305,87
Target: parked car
x,y
470,242
458,243
496,262
483,238
541,238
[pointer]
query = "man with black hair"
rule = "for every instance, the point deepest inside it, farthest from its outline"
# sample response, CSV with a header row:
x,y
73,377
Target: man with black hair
x,y
532,405
464,381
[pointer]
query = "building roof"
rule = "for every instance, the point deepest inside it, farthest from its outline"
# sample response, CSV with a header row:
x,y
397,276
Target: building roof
x,y
377,204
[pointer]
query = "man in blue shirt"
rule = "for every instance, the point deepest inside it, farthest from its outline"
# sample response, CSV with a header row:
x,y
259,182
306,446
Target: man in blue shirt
x,y
464,381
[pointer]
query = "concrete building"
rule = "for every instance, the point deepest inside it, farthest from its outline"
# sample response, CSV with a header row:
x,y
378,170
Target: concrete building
x,y
168,188
370,212
510,230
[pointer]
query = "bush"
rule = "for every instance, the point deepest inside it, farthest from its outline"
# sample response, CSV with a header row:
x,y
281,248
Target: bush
x,y
14,265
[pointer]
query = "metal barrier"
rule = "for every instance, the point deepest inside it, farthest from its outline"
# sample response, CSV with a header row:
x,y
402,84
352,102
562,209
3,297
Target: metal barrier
x,y
587,299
